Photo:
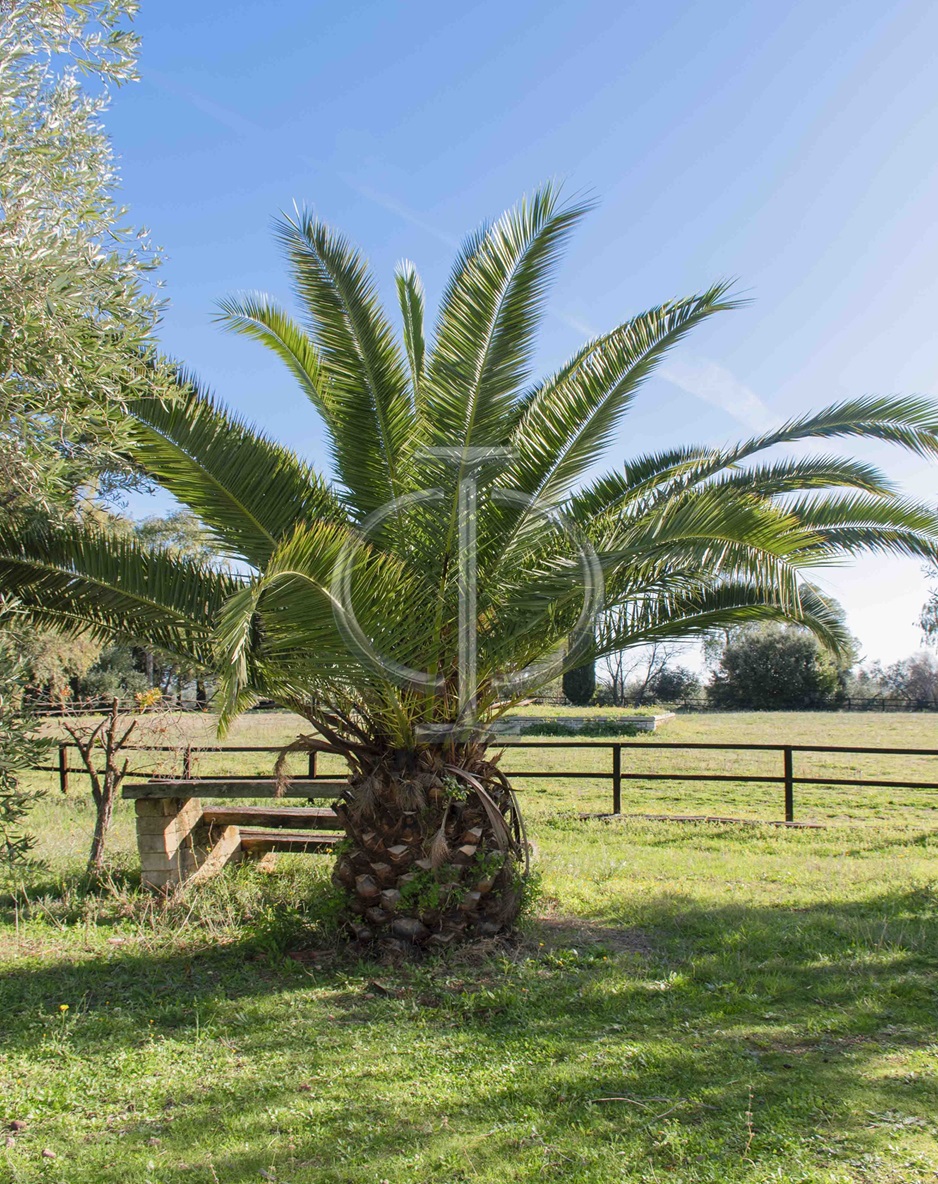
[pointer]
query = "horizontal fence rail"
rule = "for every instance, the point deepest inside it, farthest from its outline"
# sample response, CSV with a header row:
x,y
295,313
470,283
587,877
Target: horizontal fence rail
x,y
615,775
786,778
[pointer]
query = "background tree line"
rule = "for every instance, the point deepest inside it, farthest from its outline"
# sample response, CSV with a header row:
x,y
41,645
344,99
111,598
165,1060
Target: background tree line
x,y
757,668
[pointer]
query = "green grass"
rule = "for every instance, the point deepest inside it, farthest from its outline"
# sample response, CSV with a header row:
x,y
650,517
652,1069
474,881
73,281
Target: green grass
x,y
760,1002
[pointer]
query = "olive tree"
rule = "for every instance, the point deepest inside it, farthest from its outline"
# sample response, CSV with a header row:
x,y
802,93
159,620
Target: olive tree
x,y
78,302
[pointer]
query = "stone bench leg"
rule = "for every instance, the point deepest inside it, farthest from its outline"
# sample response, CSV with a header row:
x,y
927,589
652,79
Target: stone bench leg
x,y
171,839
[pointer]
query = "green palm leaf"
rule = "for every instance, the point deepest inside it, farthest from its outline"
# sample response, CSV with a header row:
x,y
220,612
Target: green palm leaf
x,y
256,316
815,472
907,420
846,524
373,411
488,317
411,298
294,617
82,577
695,613
224,471
569,421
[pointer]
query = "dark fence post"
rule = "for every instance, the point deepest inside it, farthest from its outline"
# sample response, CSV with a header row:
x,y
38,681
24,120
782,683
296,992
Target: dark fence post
x,y
63,768
789,787
617,778
187,763
312,765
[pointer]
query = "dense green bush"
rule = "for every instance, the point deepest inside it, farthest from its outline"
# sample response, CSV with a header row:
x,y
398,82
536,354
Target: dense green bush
x,y
776,667
672,683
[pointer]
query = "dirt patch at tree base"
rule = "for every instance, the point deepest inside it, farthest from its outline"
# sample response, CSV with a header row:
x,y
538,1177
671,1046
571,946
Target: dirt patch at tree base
x,y
580,933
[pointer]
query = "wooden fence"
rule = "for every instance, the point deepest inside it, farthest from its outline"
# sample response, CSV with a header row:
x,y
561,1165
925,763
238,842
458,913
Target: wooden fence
x,y
686,703
615,775
879,703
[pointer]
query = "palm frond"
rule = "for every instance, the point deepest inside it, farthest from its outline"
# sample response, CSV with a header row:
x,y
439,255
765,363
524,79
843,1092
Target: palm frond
x,y
641,488
846,524
371,406
78,577
570,420
248,491
688,614
297,616
813,472
637,478
907,420
411,298
488,317
256,316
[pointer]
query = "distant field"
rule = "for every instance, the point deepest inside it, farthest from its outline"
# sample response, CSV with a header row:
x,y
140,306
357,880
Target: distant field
x,y
818,803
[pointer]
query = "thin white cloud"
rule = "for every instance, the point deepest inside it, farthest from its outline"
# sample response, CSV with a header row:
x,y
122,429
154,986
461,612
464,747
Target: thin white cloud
x,y
393,206
236,122
714,384
228,118
584,328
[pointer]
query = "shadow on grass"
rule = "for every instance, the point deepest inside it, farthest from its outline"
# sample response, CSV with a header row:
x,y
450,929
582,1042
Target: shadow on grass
x,y
725,1040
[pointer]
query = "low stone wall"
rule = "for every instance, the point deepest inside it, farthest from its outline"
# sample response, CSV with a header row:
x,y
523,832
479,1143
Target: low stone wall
x,y
520,724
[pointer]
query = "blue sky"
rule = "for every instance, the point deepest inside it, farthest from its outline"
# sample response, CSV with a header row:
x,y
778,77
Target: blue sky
x,y
789,145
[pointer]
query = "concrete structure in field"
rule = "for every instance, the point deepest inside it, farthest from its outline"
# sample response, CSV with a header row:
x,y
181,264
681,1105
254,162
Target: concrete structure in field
x,y
518,725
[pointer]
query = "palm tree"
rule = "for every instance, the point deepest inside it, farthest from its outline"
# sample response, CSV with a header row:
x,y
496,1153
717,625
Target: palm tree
x,y
458,557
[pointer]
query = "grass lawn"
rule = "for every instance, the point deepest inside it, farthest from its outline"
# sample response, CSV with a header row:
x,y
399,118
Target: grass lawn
x,y
691,1002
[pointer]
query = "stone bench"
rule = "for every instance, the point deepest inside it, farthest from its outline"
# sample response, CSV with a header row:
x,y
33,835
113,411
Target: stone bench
x,y
181,841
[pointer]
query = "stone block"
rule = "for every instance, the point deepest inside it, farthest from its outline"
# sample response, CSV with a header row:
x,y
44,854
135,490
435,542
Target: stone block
x,y
159,807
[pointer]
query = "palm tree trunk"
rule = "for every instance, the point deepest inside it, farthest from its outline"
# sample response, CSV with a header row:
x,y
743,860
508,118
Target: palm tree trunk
x,y
430,860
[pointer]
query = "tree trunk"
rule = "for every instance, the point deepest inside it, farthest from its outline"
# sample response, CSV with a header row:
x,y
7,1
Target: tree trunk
x,y
104,809
431,857
104,785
